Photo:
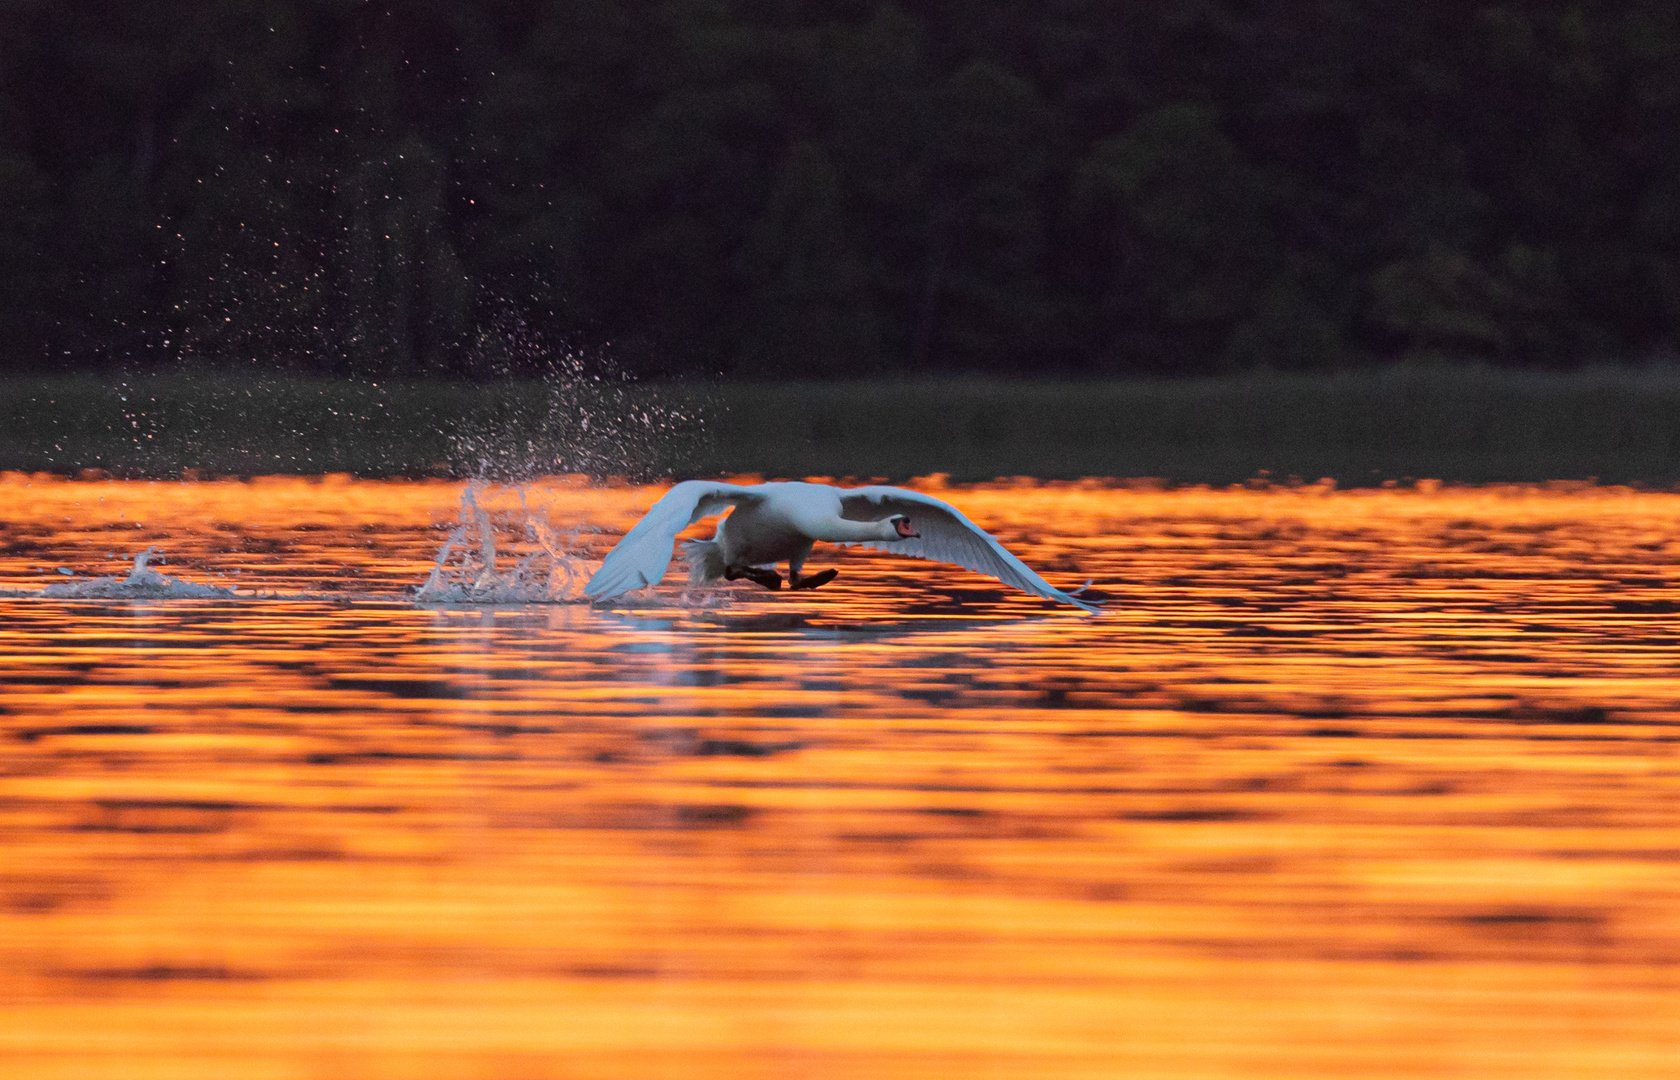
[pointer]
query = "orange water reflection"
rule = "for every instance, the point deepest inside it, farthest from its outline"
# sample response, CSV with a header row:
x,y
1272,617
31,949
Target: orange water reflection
x,y
1370,784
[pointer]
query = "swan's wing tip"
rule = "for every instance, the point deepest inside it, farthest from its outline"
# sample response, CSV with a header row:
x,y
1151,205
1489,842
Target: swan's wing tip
x,y
1073,599
1077,599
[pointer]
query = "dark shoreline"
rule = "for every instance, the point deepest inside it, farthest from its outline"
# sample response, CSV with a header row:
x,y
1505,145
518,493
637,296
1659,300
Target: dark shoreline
x,y
1362,427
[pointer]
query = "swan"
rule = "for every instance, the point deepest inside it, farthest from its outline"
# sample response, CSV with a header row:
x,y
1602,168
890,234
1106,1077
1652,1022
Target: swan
x,y
779,522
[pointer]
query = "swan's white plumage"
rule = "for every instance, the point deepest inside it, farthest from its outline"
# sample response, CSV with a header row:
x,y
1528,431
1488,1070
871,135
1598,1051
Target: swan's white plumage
x,y
642,556
788,515
947,536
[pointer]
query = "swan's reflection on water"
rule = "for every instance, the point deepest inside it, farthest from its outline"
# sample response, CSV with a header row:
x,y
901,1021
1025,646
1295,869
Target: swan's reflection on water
x,y
1353,784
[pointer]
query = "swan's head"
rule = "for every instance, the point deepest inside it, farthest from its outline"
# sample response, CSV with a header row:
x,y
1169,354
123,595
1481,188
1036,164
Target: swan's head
x,y
902,529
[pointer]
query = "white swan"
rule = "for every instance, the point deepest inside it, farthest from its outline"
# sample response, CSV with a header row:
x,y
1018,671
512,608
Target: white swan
x,y
779,522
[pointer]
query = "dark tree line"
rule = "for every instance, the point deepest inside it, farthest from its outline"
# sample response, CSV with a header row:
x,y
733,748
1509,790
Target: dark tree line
x,y
819,187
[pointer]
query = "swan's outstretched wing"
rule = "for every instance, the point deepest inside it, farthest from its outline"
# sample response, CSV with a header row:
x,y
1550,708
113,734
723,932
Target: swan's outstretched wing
x,y
642,554
947,536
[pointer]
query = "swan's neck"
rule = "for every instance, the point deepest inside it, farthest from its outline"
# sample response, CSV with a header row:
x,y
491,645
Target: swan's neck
x,y
840,531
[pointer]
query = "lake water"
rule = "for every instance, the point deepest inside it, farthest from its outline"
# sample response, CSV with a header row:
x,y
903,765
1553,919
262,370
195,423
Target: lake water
x,y
1343,784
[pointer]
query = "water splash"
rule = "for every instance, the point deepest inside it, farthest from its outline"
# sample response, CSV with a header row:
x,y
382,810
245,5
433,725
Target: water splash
x,y
142,583
587,416
545,567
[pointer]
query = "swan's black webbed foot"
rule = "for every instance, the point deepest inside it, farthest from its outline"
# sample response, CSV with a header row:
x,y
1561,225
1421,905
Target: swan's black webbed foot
x,y
813,581
767,578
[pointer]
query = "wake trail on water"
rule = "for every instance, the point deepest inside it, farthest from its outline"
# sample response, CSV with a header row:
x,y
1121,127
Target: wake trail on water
x,y
505,548
142,583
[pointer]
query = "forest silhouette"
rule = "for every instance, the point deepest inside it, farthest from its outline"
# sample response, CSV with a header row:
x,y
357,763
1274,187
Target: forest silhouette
x,y
812,190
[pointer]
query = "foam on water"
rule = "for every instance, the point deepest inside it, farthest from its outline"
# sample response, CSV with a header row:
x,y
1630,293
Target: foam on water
x,y
545,567
142,583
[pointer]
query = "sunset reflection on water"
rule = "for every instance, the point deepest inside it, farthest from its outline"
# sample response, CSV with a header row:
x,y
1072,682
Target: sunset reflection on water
x,y
1343,784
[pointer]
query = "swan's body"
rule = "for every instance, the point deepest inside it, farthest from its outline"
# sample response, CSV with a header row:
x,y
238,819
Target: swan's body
x,y
780,522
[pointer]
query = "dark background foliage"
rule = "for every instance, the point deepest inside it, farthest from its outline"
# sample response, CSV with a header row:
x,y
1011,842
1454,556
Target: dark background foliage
x,y
804,188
